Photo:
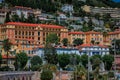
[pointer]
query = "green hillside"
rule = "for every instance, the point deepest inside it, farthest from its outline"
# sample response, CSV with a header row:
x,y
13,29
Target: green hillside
x,y
54,5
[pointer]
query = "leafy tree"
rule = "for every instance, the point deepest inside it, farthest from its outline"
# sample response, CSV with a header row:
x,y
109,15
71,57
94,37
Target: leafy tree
x,y
22,18
22,59
7,17
95,60
64,60
75,59
15,18
65,41
31,18
46,75
84,60
52,38
115,46
36,60
50,54
7,46
108,60
80,72
78,41
90,25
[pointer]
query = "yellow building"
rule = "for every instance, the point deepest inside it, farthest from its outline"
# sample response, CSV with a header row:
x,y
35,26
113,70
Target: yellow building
x,y
110,36
75,35
26,36
92,35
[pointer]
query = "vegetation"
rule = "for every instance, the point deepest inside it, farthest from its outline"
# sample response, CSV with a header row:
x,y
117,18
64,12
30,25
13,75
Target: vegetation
x,y
84,60
7,46
36,60
108,60
65,42
115,47
80,73
22,59
78,41
36,63
50,54
46,75
52,38
64,60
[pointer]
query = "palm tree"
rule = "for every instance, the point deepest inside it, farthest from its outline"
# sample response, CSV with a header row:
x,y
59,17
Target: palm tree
x,y
80,72
6,47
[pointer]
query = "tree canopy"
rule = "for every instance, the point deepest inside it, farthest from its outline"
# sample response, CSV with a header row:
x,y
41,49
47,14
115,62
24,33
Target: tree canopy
x,y
65,41
78,41
64,60
36,60
108,60
52,38
22,59
50,54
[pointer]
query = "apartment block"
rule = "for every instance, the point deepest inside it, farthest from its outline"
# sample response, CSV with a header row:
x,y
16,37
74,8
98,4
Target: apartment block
x,y
27,36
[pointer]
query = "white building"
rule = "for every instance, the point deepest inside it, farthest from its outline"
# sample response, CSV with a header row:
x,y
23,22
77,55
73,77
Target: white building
x,y
40,51
83,49
93,49
26,11
67,8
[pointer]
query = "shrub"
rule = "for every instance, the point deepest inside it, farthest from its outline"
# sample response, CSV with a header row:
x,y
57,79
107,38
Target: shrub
x,y
46,75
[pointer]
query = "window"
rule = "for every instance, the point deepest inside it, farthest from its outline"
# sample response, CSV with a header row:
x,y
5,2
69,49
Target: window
x,y
38,33
26,32
38,38
29,33
32,33
19,32
23,33
15,32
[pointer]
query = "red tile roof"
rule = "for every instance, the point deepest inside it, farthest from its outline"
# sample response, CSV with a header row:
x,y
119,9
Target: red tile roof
x,y
21,24
23,7
34,25
5,56
117,31
91,45
76,32
50,26
92,32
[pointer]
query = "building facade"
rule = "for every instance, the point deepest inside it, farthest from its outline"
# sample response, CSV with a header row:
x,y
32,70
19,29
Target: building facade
x,y
93,49
3,13
26,11
40,51
75,35
111,36
26,36
95,36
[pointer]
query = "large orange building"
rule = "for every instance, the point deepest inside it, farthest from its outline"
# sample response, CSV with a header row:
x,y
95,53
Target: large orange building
x,y
110,36
74,35
26,36
96,36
